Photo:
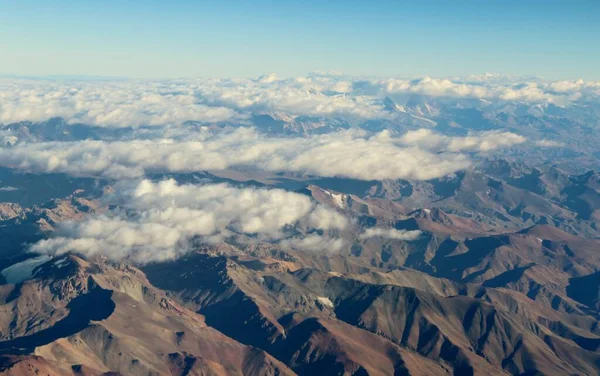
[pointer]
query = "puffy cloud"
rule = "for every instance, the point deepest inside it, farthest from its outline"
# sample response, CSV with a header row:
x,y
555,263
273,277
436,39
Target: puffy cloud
x,y
574,87
159,220
119,103
435,87
549,143
314,243
495,88
347,154
127,103
390,233
481,142
9,139
294,97
136,103
267,78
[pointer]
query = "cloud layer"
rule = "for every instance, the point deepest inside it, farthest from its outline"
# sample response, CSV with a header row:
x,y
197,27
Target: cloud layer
x,y
104,103
159,220
127,103
416,155
480,142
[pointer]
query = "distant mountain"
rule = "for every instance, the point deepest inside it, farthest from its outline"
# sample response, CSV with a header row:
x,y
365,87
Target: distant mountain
x,y
493,270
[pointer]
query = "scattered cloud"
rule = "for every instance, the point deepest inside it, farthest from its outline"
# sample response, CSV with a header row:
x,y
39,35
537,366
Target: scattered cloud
x,y
126,103
314,243
157,221
105,103
480,142
390,233
8,139
347,154
160,220
548,143
494,88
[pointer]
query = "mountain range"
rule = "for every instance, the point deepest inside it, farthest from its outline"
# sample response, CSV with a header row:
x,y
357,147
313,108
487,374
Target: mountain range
x,y
492,268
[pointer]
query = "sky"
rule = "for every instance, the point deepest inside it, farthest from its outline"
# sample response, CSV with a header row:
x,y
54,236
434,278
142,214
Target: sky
x,y
178,38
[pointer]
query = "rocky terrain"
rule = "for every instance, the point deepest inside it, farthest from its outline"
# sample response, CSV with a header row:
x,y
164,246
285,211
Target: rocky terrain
x,y
500,277
325,225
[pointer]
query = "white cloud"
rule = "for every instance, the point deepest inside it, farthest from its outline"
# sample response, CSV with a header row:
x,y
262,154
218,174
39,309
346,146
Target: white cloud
x,y
548,143
390,233
573,87
8,140
314,243
158,220
295,97
481,142
135,103
118,104
559,93
267,78
348,154
435,87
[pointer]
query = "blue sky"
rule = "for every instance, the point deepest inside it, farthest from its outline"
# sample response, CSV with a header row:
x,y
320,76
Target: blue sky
x,y
548,38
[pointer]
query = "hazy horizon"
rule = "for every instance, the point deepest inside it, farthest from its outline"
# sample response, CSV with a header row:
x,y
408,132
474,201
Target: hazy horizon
x,y
552,39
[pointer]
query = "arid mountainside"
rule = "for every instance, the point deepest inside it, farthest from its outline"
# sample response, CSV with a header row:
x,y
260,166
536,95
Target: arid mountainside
x,y
274,316
93,318
492,271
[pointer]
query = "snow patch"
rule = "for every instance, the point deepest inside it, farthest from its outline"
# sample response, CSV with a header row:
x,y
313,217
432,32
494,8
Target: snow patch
x,y
10,140
61,262
325,301
339,199
424,119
